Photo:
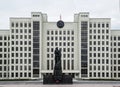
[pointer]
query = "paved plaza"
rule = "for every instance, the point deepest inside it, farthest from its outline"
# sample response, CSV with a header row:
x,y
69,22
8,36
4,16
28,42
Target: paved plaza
x,y
74,85
80,83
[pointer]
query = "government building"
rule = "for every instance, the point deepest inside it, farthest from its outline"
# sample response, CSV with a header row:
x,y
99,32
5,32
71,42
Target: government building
x,y
90,48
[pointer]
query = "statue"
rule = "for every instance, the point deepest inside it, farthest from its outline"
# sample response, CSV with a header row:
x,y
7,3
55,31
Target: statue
x,y
57,68
58,77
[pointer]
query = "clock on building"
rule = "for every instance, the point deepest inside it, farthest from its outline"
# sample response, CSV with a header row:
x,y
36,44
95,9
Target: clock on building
x,y
60,24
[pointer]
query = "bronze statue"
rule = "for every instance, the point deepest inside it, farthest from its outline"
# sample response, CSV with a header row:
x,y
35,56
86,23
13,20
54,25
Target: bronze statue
x,y
58,77
57,68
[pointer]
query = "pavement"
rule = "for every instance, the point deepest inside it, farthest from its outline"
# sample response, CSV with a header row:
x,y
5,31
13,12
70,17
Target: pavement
x,y
76,83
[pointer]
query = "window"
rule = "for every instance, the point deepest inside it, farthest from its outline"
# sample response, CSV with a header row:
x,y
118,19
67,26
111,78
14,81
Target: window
x,y
0,43
114,38
98,25
0,49
107,61
90,31
98,31
29,30
25,25
107,25
25,30
119,38
16,24
21,25
102,31
5,43
72,32
103,25
90,25
29,24
94,25
0,37
12,24
94,61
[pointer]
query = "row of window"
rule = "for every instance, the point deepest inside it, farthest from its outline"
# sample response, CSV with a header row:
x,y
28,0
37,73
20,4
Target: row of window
x,y
21,43
3,43
20,68
60,44
99,31
3,68
4,37
21,36
99,68
99,48
21,61
99,43
20,24
115,38
99,55
99,61
63,56
103,25
115,55
21,48
21,30
3,49
62,50
99,37
116,68
3,61
60,32
21,55
117,61
115,49
15,74
115,44
60,38
95,74
3,55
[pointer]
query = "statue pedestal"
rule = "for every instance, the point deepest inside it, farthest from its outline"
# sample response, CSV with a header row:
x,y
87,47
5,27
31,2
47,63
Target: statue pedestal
x,y
51,79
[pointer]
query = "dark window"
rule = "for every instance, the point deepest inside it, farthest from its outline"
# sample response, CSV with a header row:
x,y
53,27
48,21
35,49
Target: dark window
x,y
25,25
114,38
98,31
103,25
94,25
0,43
12,24
25,30
90,25
29,30
21,25
107,31
29,24
107,25
102,31
16,24
98,25
118,38
0,37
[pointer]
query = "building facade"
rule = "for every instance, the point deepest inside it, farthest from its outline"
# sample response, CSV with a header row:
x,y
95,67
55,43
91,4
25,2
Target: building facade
x,y
90,49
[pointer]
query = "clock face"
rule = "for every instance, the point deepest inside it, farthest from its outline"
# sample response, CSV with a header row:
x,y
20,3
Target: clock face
x,y
60,24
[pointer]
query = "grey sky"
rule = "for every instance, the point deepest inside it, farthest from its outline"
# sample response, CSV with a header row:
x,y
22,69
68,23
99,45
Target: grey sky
x,y
53,8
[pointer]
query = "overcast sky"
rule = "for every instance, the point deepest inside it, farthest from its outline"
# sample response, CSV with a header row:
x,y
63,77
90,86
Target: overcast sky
x,y
53,8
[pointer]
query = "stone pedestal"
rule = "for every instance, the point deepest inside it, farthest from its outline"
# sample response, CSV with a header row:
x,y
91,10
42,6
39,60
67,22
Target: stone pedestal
x,y
51,79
